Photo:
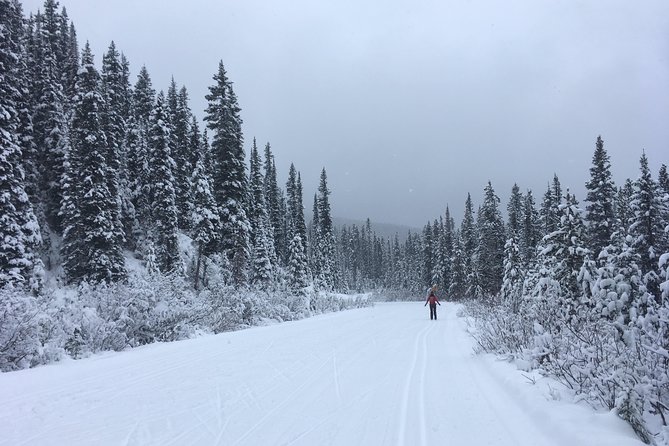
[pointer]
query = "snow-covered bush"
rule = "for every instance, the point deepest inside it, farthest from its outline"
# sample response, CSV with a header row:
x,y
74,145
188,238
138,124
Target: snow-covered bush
x,y
28,334
498,330
19,329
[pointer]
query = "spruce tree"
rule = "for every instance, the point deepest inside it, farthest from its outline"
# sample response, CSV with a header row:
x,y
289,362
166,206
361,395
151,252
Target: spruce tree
x,y
143,97
428,256
624,210
91,250
205,220
469,245
327,278
531,231
567,247
116,98
70,65
514,210
601,197
298,266
315,241
647,228
182,157
458,288
550,212
179,119
491,244
137,154
262,256
438,253
230,183
299,220
663,196
18,225
447,248
162,193
291,201
276,206
24,106
49,121
298,273
512,281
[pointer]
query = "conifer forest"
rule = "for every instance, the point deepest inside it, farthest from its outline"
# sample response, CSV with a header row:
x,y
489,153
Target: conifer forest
x,y
126,219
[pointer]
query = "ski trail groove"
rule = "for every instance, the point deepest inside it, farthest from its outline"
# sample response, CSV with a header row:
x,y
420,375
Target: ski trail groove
x,y
336,375
421,402
401,433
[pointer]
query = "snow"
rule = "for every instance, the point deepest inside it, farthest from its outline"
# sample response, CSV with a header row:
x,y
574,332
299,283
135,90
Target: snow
x,y
385,375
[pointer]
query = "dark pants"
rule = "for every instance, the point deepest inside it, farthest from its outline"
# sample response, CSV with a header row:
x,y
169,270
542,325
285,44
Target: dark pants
x,y
433,311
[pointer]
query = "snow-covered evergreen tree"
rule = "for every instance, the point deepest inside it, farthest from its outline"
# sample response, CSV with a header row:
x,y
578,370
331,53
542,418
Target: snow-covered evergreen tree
x,y
298,264
428,256
567,246
515,213
325,243
438,253
298,271
91,250
205,220
229,179
469,244
624,210
276,206
458,288
48,105
663,195
531,231
70,54
163,201
550,207
115,89
512,281
601,197
647,228
144,97
263,256
180,120
491,244
447,248
19,230
137,154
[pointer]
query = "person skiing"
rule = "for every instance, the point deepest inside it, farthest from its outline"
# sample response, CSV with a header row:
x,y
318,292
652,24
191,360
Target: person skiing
x,y
433,301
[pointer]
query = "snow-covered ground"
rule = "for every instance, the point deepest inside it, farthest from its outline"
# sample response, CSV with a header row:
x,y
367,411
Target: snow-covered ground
x,y
385,375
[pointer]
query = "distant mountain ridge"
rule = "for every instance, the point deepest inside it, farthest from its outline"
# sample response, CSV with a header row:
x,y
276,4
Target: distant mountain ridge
x,y
383,230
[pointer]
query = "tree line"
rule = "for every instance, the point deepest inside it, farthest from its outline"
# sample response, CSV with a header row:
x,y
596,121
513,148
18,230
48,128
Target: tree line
x,y
94,167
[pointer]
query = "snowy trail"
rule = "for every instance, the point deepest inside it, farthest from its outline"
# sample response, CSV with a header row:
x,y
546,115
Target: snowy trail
x,y
379,376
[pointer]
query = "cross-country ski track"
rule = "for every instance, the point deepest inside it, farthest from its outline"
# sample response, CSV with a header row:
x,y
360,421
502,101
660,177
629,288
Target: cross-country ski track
x,y
384,375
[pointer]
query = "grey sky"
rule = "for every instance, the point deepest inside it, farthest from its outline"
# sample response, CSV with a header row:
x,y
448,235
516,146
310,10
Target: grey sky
x,y
410,104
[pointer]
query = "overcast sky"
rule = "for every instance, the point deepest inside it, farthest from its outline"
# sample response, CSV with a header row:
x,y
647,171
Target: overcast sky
x,y
410,104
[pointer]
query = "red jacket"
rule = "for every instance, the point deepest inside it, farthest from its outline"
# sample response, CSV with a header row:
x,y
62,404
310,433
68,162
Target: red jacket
x,y
432,299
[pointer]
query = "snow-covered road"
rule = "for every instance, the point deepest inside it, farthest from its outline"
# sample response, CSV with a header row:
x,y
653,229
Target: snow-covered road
x,y
385,375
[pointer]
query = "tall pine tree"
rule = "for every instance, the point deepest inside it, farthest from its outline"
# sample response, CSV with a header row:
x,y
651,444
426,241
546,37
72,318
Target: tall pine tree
x,y
601,197
205,220
230,182
18,225
647,228
91,250
491,244
262,240
164,210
